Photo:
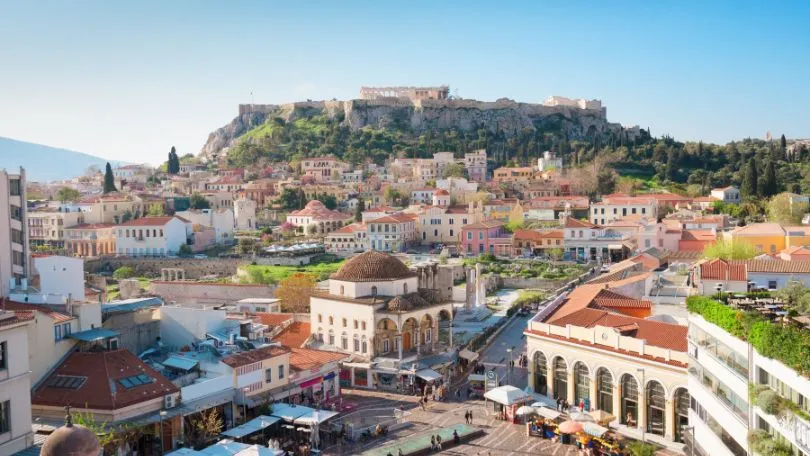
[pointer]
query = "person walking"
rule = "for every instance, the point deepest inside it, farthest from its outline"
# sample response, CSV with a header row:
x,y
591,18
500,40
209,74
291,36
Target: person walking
x,y
432,443
439,442
471,418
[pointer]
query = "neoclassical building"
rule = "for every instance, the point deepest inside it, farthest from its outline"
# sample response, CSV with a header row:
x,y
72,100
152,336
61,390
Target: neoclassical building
x,y
374,310
633,368
315,218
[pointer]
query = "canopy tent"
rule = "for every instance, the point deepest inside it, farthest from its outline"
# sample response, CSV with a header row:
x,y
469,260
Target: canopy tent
x,y
546,412
289,412
507,395
315,417
468,355
255,425
428,375
477,377
256,450
594,429
185,452
526,410
224,447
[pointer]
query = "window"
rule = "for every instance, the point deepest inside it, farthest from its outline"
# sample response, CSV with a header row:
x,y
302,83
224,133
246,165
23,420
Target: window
x,y
355,324
331,320
356,343
364,345
404,288
633,211
464,221
363,325
344,322
374,291
386,346
643,210
480,235
772,284
320,318
268,375
451,233
331,337
57,333
469,235
5,417
344,341
3,355
280,372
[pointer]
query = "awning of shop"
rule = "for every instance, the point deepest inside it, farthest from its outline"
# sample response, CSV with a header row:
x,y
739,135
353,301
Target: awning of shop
x,y
477,377
546,412
310,382
289,412
315,417
507,395
614,247
594,429
254,425
468,355
360,365
428,375
185,452
329,376
179,362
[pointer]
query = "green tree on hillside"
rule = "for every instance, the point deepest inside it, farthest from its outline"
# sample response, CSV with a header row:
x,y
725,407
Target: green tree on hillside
x,y
783,146
65,194
173,164
109,180
784,210
455,170
289,199
769,184
749,183
198,201
358,211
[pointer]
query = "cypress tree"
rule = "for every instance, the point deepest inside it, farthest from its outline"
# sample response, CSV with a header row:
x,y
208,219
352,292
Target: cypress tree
x,y
670,170
769,185
749,183
783,147
109,181
358,212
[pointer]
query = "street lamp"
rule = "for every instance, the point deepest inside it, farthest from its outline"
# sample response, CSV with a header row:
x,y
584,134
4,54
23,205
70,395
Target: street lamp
x,y
509,368
692,443
644,395
162,414
245,390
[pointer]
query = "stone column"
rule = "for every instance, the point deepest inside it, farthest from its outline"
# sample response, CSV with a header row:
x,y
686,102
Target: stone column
x,y
434,334
550,382
417,336
642,408
570,385
399,346
532,379
592,393
669,420
617,401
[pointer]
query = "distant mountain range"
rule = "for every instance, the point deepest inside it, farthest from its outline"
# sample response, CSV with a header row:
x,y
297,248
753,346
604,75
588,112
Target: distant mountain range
x,y
45,163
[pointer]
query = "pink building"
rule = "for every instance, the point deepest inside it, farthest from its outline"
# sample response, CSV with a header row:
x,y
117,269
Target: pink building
x,y
486,237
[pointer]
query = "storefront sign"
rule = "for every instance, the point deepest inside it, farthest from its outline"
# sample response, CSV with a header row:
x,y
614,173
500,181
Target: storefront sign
x,y
492,380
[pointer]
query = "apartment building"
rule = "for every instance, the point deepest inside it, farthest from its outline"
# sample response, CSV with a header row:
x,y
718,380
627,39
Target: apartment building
x,y
152,236
14,254
442,224
476,165
90,240
15,382
323,168
617,207
513,175
585,240
392,233
47,228
487,236
348,239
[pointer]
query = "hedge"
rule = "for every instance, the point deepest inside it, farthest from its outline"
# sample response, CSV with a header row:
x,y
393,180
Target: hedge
x,y
788,344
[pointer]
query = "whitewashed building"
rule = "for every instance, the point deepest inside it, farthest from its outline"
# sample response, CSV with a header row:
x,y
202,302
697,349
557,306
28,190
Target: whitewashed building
x,y
152,236
15,383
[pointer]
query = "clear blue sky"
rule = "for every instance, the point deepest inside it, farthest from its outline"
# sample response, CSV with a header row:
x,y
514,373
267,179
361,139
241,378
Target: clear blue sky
x,y
128,79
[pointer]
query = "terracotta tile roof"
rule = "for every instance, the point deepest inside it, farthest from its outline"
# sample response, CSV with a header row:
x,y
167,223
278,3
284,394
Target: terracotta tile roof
x,y
612,300
271,319
381,209
578,299
485,225
705,199
777,267
393,218
759,229
318,211
91,226
254,356
103,371
685,255
306,358
723,270
58,317
457,210
574,223
150,221
628,269
796,250
528,235
698,235
18,317
626,200
294,335
350,229
373,266
656,333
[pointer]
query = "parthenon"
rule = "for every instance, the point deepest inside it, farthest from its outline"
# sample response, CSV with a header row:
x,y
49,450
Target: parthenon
x,y
413,93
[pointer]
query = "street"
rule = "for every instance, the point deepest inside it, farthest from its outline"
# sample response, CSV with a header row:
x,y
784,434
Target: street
x,y
496,355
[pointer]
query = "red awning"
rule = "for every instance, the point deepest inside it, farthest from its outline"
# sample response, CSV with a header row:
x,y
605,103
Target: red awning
x,y
311,382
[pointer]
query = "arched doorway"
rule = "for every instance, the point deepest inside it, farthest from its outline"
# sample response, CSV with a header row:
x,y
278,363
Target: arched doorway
x,y
681,399
629,400
385,335
540,373
604,390
426,330
582,383
445,320
560,381
409,334
656,407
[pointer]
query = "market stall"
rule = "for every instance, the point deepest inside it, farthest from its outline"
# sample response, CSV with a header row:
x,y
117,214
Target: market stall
x,y
506,400
477,384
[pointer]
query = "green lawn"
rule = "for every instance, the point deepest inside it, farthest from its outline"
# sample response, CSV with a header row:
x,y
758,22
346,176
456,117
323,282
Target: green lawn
x,y
274,274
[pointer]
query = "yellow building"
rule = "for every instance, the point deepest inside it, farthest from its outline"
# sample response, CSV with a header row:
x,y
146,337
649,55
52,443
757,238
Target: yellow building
x,y
797,236
259,371
766,237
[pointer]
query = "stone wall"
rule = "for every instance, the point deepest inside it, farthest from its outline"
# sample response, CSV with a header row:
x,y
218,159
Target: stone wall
x,y
208,293
150,267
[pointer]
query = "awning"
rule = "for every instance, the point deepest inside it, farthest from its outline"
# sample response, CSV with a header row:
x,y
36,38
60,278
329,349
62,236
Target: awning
x,y
315,417
329,376
428,375
185,452
508,395
92,335
468,355
255,425
614,247
546,412
594,429
310,382
477,377
180,362
289,412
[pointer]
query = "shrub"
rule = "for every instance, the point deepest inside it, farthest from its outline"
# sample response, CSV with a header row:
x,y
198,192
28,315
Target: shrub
x,y
637,448
770,402
124,272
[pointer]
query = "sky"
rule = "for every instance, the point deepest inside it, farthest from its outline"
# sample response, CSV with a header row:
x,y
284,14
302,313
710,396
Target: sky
x,y
126,80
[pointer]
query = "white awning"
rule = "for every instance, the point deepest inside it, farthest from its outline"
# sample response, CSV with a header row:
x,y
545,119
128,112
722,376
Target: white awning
x,y
289,412
594,429
315,417
477,377
428,375
254,425
614,247
468,355
546,412
507,395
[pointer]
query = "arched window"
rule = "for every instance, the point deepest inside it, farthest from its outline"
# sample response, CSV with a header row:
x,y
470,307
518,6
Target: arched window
x,y
374,290
320,335
560,378
356,343
331,320
604,389
629,401
404,288
656,407
331,337
386,345
364,345
681,412
342,291
540,373
344,341
582,383
320,318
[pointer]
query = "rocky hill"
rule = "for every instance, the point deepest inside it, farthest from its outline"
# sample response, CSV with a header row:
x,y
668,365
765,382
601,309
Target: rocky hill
x,y
504,118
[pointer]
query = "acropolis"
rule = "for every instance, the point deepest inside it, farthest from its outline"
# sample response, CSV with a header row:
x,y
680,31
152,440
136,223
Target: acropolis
x,y
413,93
